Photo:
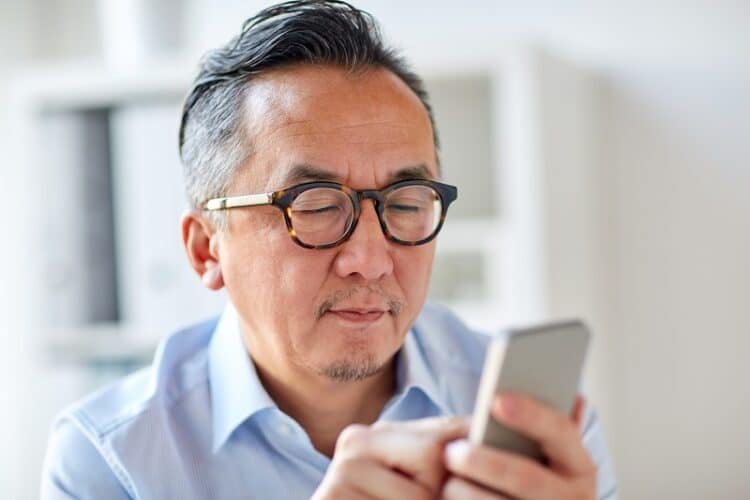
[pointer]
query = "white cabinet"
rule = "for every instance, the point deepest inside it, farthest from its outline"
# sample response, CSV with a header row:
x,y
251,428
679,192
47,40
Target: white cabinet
x,y
74,239
511,140
157,290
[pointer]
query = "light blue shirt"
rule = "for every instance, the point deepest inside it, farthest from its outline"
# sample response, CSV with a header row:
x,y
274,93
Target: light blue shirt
x,y
198,424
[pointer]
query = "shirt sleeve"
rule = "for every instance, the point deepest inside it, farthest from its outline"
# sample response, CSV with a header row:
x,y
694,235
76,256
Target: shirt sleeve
x,y
593,439
75,469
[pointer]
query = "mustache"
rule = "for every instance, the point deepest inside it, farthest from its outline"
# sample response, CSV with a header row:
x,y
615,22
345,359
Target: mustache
x,y
394,304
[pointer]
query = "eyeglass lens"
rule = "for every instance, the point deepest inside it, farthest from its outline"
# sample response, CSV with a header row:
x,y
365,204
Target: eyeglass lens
x,y
321,216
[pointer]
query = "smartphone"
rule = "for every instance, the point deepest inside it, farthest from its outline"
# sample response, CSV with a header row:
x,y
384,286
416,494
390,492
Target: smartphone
x,y
543,362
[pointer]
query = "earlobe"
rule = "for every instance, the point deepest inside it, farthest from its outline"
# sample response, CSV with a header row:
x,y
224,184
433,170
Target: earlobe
x,y
212,277
201,245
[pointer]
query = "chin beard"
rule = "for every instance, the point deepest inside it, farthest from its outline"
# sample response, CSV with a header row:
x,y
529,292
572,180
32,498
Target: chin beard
x,y
348,371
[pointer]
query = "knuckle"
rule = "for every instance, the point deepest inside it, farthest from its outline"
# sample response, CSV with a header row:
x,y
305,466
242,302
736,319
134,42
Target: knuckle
x,y
353,436
382,425
465,461
528,481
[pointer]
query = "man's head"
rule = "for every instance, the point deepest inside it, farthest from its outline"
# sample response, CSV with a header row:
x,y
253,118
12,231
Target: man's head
x,y
306,92
212,140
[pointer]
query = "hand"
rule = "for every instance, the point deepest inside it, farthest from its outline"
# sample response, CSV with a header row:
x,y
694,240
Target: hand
x,y
481,472
391,459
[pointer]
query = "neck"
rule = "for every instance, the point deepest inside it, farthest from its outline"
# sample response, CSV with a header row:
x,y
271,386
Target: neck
x,y
323,406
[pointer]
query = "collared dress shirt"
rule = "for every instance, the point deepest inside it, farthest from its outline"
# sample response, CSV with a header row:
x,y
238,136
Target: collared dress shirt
x,y
198,423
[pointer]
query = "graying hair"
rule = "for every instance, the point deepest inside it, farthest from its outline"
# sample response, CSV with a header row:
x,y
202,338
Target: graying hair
x,y
212,140
213,148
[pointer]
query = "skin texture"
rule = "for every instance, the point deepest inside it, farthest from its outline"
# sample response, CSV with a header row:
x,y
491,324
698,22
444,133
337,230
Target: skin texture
x,y
322,326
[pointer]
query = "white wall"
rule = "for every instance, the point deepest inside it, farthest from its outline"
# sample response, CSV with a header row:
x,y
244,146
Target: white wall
x,y
16,45
678,150
673,206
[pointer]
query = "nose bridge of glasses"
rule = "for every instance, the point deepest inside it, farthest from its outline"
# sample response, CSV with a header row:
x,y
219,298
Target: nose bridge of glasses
x,y
370,194
375,197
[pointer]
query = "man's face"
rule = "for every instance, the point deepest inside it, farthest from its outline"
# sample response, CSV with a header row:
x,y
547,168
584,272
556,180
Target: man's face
x,y
341,312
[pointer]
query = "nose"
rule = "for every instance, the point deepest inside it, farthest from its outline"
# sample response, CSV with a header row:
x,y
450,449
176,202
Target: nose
x,y
366,252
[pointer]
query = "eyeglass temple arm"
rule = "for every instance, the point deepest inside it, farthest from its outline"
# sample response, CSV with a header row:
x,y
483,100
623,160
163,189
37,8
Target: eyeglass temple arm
x,y
247,200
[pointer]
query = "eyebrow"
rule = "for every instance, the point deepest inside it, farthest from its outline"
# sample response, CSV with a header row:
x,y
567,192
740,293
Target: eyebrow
x,y
415,172
307,173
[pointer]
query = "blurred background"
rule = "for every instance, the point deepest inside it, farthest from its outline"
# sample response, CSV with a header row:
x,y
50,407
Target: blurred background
x,y
601,150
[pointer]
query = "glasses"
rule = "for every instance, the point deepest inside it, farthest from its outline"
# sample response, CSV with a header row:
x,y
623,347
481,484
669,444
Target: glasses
x,y
325,214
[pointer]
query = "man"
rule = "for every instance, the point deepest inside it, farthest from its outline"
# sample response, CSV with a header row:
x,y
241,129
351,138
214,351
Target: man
x,y
310,158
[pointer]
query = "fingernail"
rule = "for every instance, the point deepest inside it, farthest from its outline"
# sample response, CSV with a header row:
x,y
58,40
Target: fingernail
x,y
456,451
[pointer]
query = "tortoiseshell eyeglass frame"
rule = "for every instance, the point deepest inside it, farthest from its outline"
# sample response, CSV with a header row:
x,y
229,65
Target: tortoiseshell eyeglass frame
x,y
284,198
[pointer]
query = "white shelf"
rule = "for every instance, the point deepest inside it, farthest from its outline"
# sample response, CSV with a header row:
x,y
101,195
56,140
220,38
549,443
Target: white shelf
x,y
98,344
481,234
93,84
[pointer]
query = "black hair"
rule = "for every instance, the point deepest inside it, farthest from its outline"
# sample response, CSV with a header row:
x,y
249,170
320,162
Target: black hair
x,y
327,32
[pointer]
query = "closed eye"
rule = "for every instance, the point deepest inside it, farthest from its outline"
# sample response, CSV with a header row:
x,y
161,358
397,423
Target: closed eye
x,y
314,211
404,208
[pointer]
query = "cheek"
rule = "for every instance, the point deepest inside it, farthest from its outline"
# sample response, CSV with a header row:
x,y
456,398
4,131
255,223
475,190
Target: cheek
x,y
301,280
293,288
413,267
253,264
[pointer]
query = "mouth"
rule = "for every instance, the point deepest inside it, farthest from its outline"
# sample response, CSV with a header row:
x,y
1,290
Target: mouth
x,y
357,316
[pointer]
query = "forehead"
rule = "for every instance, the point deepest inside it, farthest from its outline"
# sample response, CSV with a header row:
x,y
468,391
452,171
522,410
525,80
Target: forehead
x,y
359,128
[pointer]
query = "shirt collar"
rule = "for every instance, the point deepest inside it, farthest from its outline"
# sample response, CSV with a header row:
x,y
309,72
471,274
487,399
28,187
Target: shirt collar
x,y
236,391
414,373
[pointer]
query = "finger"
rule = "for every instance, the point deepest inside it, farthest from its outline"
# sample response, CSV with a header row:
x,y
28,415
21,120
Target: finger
x,y
459,489
499,470
413,447
441,428
556,433
373,480
578,412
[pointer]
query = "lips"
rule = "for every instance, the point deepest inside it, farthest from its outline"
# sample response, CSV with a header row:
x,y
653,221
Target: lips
x,y
358,315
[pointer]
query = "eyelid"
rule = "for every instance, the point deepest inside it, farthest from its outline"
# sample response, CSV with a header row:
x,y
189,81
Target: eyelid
x,y
327,208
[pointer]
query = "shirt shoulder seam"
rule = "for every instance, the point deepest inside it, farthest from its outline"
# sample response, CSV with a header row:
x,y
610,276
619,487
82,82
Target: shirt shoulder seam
x,y
117,422
84,425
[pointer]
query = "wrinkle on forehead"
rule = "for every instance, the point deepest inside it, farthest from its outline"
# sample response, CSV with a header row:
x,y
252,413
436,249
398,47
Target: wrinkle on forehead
x,y
331,128
330,115
361,134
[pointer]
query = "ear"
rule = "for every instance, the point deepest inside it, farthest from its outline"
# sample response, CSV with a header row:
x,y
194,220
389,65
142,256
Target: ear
x,y
201,242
